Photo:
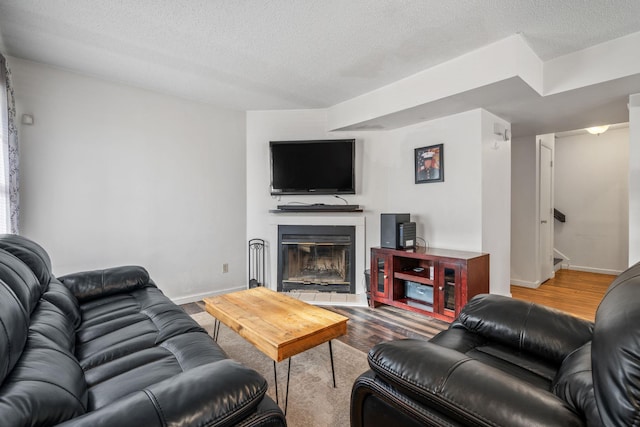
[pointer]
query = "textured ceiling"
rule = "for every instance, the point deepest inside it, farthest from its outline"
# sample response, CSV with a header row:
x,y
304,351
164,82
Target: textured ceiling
x,y
285,53
282,54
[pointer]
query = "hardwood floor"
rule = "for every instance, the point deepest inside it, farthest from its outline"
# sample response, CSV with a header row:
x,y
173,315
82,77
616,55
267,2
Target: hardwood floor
x,y
367,327
576,292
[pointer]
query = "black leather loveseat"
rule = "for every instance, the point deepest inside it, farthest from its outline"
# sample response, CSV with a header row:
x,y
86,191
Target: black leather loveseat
x,y
505,362
107,348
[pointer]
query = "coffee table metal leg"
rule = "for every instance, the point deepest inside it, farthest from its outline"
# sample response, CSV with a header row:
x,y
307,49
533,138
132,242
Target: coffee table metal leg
x,y
216,329
333,372
286,399
275,377
286,396
275,380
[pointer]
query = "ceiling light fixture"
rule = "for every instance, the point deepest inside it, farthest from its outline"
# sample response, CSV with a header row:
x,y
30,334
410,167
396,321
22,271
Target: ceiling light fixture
x,y
597,130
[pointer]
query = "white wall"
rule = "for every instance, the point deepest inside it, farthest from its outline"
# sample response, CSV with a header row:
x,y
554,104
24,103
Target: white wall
x,y
634,179
524,226
592,190
448,214
496,200
114,175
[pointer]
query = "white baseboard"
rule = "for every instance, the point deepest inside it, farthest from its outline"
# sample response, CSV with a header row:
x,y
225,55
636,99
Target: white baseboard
x,y
592,270
198,297
525,284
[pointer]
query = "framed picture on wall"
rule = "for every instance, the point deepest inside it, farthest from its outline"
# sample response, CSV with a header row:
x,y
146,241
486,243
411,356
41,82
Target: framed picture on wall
x,y
429,164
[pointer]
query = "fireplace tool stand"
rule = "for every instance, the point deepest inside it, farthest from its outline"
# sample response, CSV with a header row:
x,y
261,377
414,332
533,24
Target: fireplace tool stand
x,y
256,263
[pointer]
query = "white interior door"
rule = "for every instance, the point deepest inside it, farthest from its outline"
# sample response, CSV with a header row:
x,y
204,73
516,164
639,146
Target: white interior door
x,y
546,214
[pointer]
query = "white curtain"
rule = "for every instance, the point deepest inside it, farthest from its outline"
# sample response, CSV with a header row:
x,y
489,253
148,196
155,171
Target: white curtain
x,y
9,200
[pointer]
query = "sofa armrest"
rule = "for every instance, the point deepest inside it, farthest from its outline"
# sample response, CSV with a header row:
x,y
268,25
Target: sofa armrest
x,y
465,389
88,285
526,326
217,394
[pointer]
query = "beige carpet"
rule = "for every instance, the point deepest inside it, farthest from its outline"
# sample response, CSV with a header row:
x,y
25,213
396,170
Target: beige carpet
x,y
313,402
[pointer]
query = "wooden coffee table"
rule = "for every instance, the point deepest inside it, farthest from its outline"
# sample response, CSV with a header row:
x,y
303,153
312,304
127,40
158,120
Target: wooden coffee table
x,y
276,324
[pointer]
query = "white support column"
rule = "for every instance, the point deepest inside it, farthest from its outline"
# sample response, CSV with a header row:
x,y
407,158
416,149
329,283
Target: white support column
x,y
634,178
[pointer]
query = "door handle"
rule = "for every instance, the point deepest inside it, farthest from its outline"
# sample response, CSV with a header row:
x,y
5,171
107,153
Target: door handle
x,y
544,221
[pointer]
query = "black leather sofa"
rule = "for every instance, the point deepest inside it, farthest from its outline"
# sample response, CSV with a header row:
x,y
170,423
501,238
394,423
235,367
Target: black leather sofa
x,y
506,362
107,348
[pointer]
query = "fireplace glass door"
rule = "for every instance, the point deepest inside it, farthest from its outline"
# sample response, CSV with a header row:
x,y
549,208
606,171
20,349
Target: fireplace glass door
x,y
316,258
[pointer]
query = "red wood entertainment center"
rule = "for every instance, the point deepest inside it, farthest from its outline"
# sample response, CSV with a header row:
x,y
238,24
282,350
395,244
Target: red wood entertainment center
x,y
436,282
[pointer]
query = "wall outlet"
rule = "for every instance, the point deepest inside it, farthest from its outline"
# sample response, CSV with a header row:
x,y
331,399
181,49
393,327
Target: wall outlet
x,y
225,268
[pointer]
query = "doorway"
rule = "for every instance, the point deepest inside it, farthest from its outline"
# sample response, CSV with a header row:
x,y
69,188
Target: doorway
x,y
591,187
546,212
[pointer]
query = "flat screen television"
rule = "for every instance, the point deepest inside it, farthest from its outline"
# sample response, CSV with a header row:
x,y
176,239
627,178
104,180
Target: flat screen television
x,y
313,167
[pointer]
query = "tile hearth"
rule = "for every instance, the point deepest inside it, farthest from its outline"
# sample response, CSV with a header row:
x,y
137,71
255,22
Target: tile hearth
x,y
330,298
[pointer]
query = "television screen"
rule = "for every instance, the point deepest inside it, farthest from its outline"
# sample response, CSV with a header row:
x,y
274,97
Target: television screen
x,y
313,167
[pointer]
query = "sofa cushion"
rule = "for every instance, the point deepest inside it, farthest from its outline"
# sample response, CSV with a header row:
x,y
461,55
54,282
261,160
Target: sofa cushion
x,y
51,328
21,280
136,371
574,384
121,324
29,252
542,331
14,325
47,385
60,296
89,285
19,295
522,365
129,341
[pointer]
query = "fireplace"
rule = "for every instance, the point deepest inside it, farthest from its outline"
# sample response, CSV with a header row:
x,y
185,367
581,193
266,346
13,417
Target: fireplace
x,y
316,258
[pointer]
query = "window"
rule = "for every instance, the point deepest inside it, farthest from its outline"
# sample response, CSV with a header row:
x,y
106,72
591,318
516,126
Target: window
x,y
8,154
